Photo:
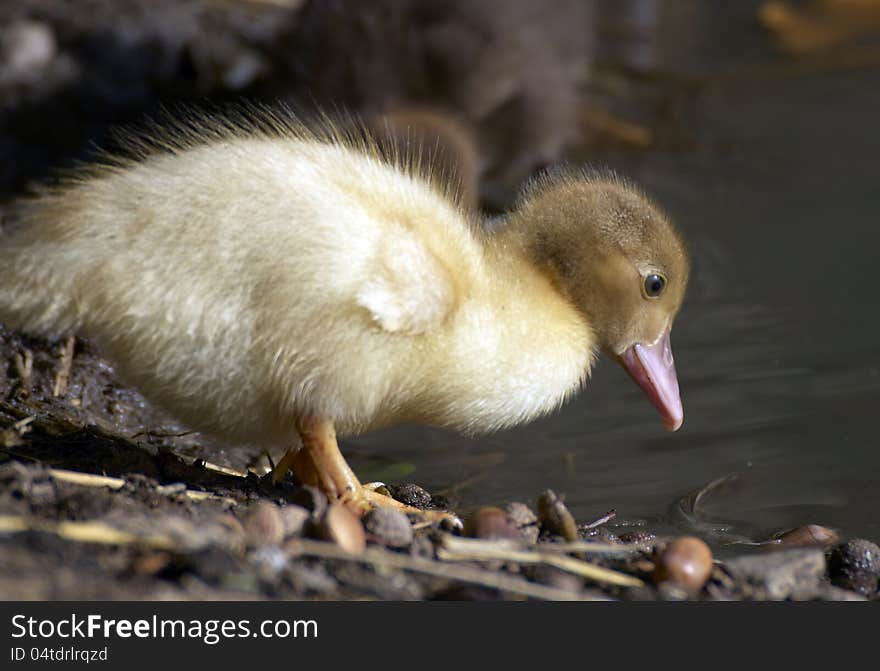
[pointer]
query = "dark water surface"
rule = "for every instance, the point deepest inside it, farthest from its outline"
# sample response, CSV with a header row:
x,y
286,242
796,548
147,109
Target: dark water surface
x,y
778,344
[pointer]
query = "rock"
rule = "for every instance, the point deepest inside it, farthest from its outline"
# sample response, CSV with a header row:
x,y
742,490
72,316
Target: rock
x,y
492,524
807,535
555,517
268,561
264,525
232,527
411,495
294,518
779,574
855,565
686,562
391,527
339,525
525,520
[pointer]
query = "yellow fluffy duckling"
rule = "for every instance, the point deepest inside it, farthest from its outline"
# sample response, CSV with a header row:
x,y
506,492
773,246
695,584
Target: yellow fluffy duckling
x,y
262,281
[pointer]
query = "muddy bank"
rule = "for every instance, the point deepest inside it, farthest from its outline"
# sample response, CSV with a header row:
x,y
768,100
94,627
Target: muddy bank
x,y
97,503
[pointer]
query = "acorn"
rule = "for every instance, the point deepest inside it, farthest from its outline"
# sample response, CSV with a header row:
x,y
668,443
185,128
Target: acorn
x,y
341,526
686,561
492,524
555,516
264,525
809,535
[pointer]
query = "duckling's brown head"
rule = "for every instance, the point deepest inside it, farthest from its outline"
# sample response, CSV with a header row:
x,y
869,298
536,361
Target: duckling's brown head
x,y
618,258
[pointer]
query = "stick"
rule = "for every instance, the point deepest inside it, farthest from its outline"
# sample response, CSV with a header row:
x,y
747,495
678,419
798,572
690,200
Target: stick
x,y
453,549
63,374
383,558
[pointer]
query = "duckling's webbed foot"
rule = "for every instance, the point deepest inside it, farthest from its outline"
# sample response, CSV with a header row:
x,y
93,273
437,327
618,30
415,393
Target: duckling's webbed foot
x,y
320,463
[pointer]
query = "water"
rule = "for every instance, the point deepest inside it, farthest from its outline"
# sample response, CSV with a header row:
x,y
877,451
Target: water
x,y
777,344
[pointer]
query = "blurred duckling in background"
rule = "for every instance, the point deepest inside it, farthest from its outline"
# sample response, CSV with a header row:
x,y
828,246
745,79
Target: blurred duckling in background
x,y
510,69
439,139
262,282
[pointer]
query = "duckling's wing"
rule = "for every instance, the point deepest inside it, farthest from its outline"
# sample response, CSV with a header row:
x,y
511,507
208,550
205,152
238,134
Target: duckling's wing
x,y
408,289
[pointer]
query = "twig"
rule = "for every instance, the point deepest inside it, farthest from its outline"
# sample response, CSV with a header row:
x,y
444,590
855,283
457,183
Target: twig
x,y
598,522
588,547
12,436
86,479
459,549
83,532
384,559
63,374
91,480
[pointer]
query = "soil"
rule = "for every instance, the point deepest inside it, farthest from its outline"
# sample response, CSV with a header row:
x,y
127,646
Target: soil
x,y
96,502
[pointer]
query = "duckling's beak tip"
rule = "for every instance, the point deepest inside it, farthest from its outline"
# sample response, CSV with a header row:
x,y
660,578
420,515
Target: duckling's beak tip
x,y
653,369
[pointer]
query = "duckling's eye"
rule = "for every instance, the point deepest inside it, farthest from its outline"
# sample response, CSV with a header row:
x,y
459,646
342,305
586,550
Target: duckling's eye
x,y
654,285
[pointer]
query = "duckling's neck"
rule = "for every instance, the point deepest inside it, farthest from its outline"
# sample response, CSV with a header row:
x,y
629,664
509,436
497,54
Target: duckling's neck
x,y
515,349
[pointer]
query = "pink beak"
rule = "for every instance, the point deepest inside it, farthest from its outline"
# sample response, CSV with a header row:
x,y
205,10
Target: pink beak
x,y
653,369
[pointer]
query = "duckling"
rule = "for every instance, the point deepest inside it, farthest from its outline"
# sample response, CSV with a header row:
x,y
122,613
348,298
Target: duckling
x,y
263,281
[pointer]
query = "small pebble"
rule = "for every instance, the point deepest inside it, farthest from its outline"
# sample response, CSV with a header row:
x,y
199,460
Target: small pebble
x,y
294,518
389,526
810,534
555,517
233,528
855,565
151,563
686,561
339,525
264,525
492,524
411,495
525,520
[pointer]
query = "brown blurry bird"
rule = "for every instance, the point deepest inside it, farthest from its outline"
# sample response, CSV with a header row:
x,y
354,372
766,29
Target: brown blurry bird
x,y
262,282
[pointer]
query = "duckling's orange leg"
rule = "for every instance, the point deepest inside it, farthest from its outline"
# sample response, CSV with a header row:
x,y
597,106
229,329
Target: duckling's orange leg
x,y
320,463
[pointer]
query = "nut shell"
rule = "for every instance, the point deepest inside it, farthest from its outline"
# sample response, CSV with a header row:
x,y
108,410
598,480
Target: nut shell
x,y
686,561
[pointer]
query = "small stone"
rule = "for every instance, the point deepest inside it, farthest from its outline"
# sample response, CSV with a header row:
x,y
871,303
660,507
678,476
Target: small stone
x,y
339,525
807,535
264,525
492,524
525,520
150,564
855,565
777,575
294,518
686,561
389,526
233,528
555,516
269,561
411,495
